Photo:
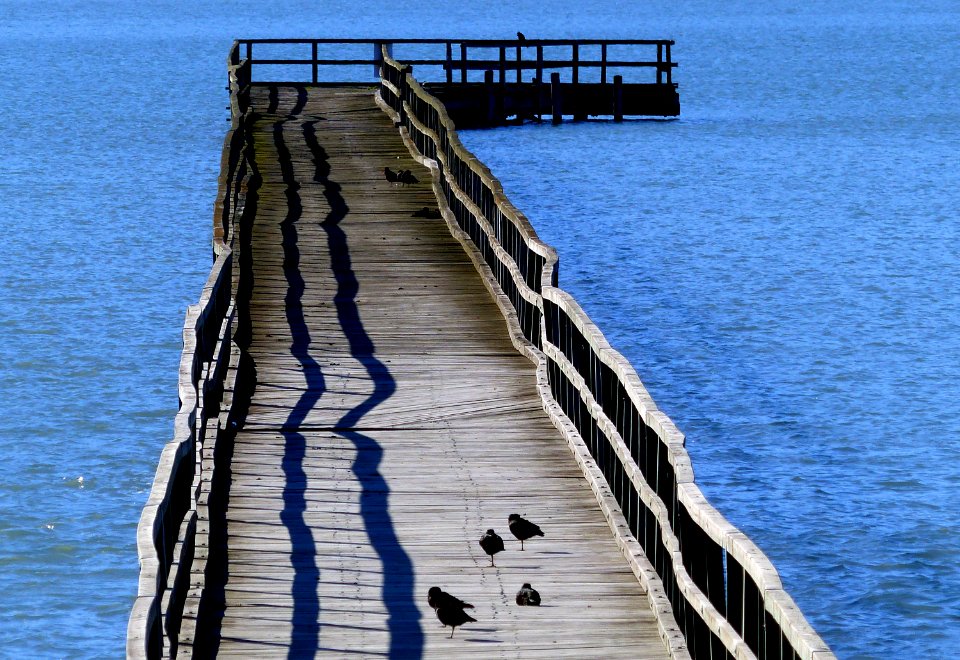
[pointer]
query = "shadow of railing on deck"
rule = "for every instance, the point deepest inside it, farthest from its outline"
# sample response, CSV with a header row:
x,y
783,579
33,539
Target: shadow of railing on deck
x,y
306,604
406,634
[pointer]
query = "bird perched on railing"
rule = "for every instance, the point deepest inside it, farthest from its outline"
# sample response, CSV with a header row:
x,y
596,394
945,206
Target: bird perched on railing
x,y
528,595
491,544
437,597
520,36
406,176
390,175
453,617
522,528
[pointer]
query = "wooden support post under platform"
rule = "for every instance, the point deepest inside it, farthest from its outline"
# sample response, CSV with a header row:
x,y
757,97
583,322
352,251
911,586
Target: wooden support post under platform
x,y
556,102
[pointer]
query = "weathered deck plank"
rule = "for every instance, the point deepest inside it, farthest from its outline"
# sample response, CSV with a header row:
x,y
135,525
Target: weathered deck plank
x,y
392,423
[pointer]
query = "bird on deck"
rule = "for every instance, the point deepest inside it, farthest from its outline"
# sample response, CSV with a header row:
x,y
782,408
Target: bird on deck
x,y
520,36
453,617
437,597
406,176
427,212
528,595
491,544
390,175
522,528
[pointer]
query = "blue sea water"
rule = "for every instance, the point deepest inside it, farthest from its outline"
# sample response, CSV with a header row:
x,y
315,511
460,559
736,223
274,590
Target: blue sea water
x,y
780,265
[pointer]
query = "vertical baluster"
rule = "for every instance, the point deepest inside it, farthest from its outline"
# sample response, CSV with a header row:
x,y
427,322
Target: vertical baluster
x,y
659,63
603,64
519,59
576,63
669,66
314,65
503,64
449,65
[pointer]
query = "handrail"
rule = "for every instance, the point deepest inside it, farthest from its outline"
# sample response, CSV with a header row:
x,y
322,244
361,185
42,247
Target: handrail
x,y
172,523
514,55
724,593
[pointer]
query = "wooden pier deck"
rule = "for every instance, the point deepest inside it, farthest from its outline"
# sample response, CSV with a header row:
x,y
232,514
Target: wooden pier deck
x,y
392,423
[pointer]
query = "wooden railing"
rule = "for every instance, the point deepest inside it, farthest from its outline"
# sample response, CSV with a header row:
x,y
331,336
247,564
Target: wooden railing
x,y
724,594
174,529
455,58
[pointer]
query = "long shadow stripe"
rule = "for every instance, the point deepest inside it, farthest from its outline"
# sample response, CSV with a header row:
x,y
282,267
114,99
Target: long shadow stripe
x,y
306,603
406,634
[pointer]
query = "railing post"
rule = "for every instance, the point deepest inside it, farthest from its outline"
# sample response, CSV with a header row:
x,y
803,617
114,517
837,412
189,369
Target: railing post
x,y
540,62
603,64
576,63
463,62
449,66
618,98
659,63
669,67
556,101
503,64
314,62
519,58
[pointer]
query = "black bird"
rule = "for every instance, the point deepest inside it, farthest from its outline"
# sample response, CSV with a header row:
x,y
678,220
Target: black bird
x,y
390,175
528,595
406,176
437,597
491,544
427,212
453,617
522,528
520,36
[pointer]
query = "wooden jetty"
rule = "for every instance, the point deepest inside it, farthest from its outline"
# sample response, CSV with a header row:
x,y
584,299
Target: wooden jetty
x,y
378,371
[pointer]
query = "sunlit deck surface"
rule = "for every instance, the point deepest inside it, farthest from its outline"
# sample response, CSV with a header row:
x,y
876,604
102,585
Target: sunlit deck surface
x,y
392,423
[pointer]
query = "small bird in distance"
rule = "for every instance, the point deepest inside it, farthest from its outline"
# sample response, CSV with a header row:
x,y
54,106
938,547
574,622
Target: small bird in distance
x,y
528,595
491,544
521,37
522,528
437,598
453,617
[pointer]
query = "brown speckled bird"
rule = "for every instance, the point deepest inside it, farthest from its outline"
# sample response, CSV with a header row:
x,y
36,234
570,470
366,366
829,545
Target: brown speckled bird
x,y
522,528
491,544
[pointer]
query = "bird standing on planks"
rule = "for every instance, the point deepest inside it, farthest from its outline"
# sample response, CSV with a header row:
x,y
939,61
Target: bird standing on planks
x,y
491,544
437,597
522,528
528,595
406,176
427,212
453,617
390,175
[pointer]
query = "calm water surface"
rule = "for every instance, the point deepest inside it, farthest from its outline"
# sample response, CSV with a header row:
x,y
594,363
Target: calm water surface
x,y
780,265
